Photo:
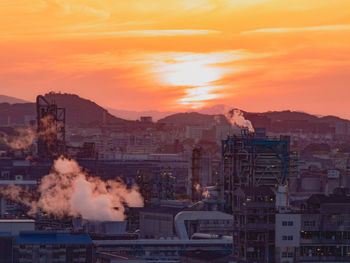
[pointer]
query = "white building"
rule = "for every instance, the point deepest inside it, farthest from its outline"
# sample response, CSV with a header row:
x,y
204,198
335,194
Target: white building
x,y
287,237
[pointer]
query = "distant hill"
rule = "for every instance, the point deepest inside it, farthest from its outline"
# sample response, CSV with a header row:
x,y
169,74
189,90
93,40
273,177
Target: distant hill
x,y
82,111
193,118
135,115
273,121
79,111
11,100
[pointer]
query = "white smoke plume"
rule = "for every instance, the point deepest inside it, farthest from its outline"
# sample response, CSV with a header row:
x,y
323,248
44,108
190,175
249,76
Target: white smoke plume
x,y
235,117
204,191
69,191
197,187
23,139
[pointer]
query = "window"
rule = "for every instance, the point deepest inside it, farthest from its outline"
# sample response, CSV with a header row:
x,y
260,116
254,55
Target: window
x,y
287,223
309,223
287,237
287,254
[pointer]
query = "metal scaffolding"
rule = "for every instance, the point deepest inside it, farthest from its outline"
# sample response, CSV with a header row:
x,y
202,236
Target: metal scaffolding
x,y
51,122
253,161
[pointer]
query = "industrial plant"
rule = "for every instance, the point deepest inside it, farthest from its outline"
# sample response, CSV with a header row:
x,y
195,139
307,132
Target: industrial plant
x,y
187,188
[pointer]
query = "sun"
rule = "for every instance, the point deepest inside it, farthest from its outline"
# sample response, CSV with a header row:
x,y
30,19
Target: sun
x,y
191,73
191,70
195,74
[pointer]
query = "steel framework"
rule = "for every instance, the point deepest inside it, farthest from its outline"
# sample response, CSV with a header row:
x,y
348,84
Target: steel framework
x,y
51,123
250,161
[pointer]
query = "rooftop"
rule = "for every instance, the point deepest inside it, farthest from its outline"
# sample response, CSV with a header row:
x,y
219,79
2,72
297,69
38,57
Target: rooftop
x,y
17,221
52,238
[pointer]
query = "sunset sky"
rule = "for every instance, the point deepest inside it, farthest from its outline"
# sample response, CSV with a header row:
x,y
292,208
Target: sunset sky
x,y
256,55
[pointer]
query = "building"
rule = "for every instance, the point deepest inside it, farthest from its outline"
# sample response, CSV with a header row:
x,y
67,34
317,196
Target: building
x,y
158,222
6,247
287,237
315,230
325,228
37,246
254,224
249,160
163,250
205,257
190,223
106,257
15,226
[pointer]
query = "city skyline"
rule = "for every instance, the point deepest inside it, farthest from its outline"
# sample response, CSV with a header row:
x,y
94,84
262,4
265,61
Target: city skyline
x,y
256,55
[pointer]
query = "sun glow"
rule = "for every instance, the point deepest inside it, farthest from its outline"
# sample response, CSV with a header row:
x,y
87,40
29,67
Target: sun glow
x,y
197,72
197,97
176,55
191,73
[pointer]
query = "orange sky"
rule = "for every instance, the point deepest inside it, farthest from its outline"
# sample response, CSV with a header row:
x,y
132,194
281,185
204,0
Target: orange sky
x,y
256,55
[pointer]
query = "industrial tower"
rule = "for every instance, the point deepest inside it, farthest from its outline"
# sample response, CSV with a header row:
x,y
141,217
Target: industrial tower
x,y
251,161
51,122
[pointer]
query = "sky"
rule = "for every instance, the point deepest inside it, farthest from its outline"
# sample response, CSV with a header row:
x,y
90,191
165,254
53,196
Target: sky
x,y
256,55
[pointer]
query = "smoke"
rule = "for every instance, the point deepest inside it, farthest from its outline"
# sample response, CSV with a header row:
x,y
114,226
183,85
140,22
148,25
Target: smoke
x,y
206,193
69,191
235,117
14,192
197,187
22,139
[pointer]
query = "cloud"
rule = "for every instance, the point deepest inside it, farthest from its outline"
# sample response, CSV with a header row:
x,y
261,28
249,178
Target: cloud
x,y
144,33
299,29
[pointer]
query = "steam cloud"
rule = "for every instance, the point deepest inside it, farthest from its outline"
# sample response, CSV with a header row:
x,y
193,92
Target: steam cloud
x,y
235,117
68,191
22,139
204,191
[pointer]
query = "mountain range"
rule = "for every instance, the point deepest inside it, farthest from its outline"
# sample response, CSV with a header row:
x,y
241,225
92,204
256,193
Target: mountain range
x,y
11,100
83,112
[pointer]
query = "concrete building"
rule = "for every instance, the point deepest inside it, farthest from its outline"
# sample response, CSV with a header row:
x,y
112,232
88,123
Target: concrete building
x,y
325,229
15,226
163,250
189,223
99,228
106,257
52,247
6,247
206,257
287,237
158,222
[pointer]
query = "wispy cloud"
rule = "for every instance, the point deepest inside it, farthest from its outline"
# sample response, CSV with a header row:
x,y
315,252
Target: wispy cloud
x,y
148,33
299,29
